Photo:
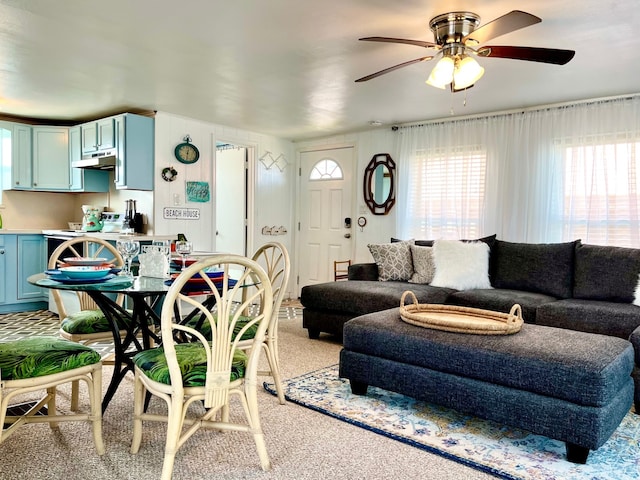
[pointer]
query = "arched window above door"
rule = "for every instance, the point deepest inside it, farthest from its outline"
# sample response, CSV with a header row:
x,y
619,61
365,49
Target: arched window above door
x,y
326,169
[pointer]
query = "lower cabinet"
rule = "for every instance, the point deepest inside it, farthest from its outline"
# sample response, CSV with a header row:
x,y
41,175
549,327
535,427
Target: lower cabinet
x,y
20,257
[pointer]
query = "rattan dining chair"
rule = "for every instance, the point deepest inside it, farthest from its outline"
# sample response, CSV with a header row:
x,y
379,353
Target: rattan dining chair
x,y
88,325
274,258
189,368
43,363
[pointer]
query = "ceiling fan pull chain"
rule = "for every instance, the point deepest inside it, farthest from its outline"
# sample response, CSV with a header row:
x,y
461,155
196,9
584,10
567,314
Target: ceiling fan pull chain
x,y
451,111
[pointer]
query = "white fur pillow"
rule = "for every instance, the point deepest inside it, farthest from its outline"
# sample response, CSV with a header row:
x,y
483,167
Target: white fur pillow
x,y
636,294
461,265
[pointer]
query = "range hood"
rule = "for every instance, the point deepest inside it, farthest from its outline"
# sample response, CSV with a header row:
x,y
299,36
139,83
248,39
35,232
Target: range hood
x,y
98,161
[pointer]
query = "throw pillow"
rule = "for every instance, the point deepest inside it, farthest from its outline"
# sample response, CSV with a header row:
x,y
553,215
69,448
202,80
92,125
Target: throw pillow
x,y
489,240
606,273
530,267
424,267
461,265
636,298
393,260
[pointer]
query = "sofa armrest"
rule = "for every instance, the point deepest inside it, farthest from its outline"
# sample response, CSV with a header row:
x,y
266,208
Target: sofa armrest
x,y
634,338
363,271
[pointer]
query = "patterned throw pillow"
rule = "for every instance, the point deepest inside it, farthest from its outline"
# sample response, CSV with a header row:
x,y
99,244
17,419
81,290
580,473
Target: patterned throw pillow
x,y
424,267
393,260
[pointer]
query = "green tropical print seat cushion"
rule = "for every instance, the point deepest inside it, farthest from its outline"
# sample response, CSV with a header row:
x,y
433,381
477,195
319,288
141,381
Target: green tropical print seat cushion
x,y
88,321
40,356
205,328
192,359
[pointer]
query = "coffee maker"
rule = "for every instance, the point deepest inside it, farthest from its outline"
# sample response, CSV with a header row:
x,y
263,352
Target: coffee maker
x,y
132,219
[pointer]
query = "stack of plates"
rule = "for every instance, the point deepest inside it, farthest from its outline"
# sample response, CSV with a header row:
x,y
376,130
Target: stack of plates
x,y
82,274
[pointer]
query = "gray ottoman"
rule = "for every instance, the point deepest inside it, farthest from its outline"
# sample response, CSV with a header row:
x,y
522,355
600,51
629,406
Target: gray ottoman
x,y
571,386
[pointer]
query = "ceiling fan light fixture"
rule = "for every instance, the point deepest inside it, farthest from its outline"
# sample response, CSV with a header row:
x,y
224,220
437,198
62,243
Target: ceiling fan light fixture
x,y
442,73
467,72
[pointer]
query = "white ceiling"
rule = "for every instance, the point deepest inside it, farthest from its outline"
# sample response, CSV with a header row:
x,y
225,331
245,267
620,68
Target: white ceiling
x,y
287,67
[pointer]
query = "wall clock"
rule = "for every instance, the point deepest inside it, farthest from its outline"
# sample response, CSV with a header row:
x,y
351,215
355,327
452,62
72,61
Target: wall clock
x,y
187,152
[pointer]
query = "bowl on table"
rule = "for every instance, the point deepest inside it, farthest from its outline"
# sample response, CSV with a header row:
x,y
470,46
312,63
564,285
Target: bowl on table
x,y
86,272
84,261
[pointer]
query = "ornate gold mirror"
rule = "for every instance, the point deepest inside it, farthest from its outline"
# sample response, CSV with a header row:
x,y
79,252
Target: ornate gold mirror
x,y
378,186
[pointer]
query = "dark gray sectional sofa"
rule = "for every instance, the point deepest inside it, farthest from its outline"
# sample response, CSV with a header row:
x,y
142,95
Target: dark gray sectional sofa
x,y
570,285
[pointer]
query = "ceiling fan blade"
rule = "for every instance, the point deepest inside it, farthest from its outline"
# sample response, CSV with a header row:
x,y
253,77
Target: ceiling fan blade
x,y
395,67
530,54
510,22
418,43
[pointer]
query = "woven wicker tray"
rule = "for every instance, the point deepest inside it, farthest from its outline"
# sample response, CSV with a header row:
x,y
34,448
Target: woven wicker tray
x,y
452,318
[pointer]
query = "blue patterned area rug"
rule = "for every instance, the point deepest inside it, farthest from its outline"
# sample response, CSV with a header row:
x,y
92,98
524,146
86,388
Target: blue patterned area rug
x,y
507,452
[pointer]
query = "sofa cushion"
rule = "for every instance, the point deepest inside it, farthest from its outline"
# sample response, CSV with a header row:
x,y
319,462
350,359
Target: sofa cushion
x,y
393,260
594,316
501,300
543,268
363,271
360,297
424,266
489,240
606,273
461,265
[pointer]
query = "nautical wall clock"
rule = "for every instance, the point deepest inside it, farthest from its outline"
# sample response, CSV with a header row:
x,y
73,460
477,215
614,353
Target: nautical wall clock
x,y
187,152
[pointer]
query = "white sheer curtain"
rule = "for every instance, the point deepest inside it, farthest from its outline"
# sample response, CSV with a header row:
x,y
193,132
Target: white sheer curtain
x,y
547,175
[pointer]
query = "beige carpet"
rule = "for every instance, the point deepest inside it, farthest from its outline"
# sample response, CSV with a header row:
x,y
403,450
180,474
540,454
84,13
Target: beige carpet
x,y
302,444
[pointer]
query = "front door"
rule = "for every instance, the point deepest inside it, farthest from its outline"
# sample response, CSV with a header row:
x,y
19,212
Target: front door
x,y
325,204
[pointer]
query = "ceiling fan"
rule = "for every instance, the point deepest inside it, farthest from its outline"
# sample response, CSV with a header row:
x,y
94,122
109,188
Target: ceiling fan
x,y
457,39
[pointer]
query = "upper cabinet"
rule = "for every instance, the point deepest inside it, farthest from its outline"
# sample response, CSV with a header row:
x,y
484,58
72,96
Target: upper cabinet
x,y
42,157
84,180
135,147
16,156
50,152
98,135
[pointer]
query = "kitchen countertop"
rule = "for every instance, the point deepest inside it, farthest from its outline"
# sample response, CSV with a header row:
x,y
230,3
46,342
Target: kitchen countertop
x,y
19,231
104,236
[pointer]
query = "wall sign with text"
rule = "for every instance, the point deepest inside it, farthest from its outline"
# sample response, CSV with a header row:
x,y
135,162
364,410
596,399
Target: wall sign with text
x,y
172,213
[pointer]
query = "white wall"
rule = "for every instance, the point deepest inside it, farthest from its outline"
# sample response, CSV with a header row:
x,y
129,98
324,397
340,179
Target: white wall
x,y
379,228
270,203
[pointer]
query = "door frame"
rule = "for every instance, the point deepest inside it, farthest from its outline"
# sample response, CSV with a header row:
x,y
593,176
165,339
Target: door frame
x,y
354,199
250,173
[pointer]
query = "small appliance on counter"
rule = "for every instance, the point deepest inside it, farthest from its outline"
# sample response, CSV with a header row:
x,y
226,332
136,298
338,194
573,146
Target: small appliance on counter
x,y
132,219
112,222
91,221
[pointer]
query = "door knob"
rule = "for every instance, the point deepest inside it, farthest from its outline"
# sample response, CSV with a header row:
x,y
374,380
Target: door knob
x,y
347,235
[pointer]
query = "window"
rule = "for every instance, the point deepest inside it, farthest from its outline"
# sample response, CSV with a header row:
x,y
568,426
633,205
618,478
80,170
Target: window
x,y
5,159
446,193
326,169
601,203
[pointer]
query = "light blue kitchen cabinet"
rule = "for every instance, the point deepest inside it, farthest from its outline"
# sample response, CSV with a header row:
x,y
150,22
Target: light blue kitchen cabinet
x,y
20,257
3,271
51,159
82,179
98,135
16,156
135,147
